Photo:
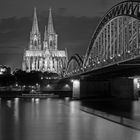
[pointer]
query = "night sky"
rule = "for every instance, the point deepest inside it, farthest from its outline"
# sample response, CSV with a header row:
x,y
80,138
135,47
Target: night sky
x,y
74,22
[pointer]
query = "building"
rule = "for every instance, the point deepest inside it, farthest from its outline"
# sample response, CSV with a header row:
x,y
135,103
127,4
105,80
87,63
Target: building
x,y
4,70
44,56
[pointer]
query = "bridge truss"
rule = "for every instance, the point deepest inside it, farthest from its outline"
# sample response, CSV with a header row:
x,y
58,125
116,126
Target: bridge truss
x,y
116,38
75,65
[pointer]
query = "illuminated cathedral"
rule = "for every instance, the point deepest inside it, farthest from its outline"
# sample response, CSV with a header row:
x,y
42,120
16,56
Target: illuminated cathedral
x,y
44,56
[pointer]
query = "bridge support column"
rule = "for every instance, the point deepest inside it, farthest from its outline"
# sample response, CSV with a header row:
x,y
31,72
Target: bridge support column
x,y
122,88
136,82
94,89
76,88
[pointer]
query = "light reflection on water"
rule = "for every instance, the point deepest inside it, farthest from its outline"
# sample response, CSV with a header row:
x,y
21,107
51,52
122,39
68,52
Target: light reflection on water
x,y
49,119
16,109
9,103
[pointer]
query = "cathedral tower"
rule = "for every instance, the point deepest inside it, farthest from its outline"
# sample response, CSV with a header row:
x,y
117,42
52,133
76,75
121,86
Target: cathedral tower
x,y
35,37
47,58
50,37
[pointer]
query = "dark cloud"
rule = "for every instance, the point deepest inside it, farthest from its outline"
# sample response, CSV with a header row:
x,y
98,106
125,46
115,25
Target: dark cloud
x,y
88,8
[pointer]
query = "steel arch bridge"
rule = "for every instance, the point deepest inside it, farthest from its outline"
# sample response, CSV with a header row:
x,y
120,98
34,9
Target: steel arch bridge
x,y
75,64
116,38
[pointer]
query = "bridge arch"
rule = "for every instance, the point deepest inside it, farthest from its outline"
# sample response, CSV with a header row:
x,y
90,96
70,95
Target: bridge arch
x,y
116,38
75,64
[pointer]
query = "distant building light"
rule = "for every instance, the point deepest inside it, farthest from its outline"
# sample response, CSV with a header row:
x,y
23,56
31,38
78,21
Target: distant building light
x,y
76,83
4,70
67,86
48,86
71,80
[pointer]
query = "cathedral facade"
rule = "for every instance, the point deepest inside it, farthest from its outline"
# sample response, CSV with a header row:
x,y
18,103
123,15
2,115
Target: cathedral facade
x,y
44,56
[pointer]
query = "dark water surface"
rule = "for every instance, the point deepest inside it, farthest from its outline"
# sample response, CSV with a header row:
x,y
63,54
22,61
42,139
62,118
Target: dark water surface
x,y
119,107
54,119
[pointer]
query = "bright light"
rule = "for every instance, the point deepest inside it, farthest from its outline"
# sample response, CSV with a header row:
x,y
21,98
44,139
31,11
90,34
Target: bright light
x,y
71,80
33,99
66,86
2,70
76,83
67,98
138,85
16,100
48,86
9,103
137,82
37,100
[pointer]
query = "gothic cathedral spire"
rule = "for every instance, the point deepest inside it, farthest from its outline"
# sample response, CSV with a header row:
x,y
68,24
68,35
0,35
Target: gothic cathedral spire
x,y
46,58
35,29
50,23
50,37
35,37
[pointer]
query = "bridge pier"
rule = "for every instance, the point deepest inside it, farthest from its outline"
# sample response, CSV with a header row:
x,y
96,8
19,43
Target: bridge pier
x,y
121,87
76,88
94,89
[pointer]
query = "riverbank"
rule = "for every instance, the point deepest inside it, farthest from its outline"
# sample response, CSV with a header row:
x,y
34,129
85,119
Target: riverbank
x,y
40,94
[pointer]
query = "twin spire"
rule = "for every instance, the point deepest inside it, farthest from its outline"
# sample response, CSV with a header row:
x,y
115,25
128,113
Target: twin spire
x,y
50,23
50,29
35,29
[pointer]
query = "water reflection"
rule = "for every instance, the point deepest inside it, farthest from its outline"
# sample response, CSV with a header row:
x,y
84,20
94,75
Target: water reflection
x,y
9,103
50,119
16,109
122,108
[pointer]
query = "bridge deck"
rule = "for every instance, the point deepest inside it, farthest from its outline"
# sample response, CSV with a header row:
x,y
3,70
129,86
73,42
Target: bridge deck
x,y
122,69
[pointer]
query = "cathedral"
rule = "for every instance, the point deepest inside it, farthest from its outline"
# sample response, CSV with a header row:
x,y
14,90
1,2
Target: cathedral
x,y
44,56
